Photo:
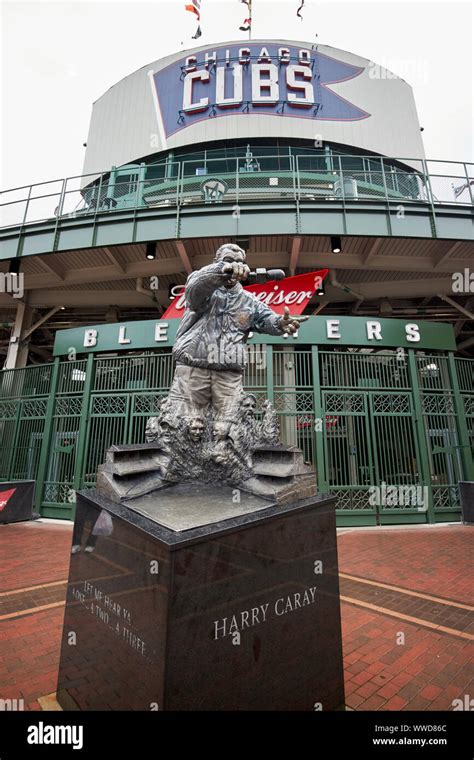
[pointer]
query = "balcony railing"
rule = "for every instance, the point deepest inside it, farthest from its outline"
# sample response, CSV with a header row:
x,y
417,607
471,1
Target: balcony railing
x,y
235,181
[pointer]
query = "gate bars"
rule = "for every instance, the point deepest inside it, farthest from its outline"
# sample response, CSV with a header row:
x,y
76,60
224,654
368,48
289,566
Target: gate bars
x,y
373,424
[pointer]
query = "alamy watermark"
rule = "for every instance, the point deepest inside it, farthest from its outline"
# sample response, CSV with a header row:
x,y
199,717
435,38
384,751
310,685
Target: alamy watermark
x,y
466,703
12,283
463,282
12,705
415,71
399,496
237,354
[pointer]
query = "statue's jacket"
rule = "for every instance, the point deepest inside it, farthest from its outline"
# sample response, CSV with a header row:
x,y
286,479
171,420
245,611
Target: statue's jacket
x,y
214,330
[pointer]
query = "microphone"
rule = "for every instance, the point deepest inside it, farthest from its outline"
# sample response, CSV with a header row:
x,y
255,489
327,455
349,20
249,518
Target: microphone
x,y
262,275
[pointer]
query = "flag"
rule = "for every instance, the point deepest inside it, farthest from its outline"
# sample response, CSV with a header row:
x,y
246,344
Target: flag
x,y
195,7
247,23
298,12
460,189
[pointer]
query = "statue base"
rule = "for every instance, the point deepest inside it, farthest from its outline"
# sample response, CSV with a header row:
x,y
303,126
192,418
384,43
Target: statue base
x,y
202,597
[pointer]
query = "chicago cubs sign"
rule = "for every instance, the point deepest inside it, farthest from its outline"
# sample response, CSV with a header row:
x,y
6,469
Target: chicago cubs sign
x,y
255,79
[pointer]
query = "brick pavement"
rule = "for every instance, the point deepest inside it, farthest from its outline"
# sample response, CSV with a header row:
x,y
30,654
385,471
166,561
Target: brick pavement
x,y
407,614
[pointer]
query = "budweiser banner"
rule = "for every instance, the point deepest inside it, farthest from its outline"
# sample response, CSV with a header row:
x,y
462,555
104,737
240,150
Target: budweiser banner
x,y
16,501
294,292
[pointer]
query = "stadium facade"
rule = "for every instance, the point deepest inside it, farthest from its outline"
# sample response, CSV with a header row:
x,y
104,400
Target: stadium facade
x,y
310,158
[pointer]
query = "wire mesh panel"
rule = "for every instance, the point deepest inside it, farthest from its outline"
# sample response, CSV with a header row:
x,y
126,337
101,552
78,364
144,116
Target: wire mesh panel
x,y
468,401
161,191
298,429
449,182
292,369
28,439
444,449
465,374
129,373
143,406
25,382
355,370
72,376
433,373
44,201
267,176
397,464
9,423
13,205
347,446
255,374
61,465
209,181
108,425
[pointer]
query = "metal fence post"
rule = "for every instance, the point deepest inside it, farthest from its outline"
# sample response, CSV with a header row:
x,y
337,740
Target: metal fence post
x,y
16,434
463,433
179,180
430,196
296,191
343,196
46,440
81,436
321,474
384,180
468,180
424,464
270,382
237,193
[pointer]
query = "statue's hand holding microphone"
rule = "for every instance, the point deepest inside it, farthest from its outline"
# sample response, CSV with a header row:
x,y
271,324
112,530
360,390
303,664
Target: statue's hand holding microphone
x,y
237,271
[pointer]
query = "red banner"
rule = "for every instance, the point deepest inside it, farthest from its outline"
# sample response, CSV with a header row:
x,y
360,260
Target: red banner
x,y
5,497
294,292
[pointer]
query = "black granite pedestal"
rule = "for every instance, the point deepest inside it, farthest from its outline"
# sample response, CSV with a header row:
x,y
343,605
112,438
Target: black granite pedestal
x,y
191,613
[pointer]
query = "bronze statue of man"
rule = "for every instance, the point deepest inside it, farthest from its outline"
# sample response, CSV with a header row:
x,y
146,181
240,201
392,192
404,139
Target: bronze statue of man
x,y
210,347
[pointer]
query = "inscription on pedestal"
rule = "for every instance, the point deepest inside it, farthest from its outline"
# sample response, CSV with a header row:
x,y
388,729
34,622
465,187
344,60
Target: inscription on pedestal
x,y
256,615
243,614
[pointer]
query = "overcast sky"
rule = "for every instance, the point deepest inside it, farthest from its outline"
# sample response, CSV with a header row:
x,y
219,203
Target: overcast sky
x,y
58,57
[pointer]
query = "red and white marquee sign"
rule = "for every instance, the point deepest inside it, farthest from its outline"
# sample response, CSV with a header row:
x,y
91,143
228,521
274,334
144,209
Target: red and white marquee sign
x,y
294,292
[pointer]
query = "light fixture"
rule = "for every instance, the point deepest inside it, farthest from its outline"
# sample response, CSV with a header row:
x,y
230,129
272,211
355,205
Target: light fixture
x,y
320,289
336,246
242,242
151,251
14,266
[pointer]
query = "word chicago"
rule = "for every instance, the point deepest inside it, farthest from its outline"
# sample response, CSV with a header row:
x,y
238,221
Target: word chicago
x,y
264,72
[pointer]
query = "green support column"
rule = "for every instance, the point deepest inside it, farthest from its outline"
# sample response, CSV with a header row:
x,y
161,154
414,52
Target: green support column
x,y
81,438
111,182
140,184
46,441
463,433
14,448
269,360
424,464
323,485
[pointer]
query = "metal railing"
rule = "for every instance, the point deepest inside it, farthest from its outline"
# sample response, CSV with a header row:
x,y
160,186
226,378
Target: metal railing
x,y
234,181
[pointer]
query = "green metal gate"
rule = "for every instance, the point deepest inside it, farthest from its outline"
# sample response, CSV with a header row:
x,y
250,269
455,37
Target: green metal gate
x,y
366,420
